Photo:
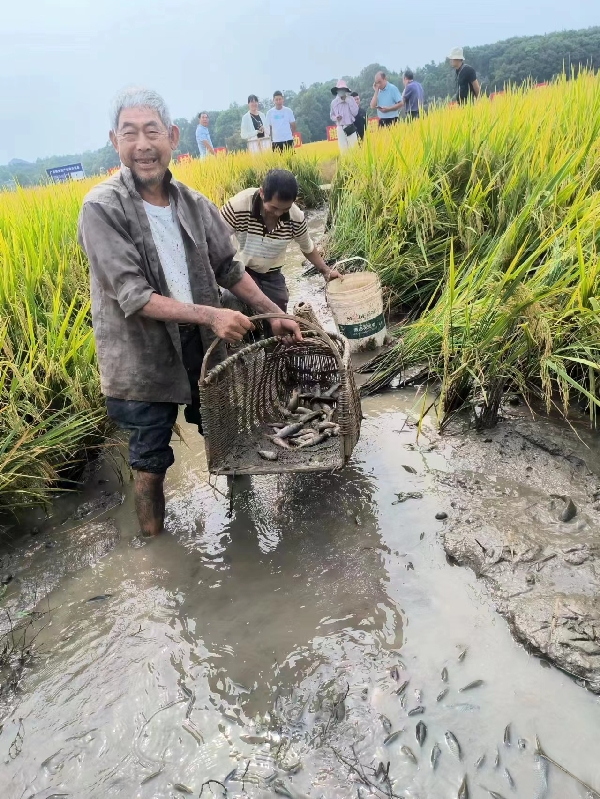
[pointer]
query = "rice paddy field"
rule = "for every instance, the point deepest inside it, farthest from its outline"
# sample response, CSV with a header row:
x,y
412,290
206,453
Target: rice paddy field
x,y
482,222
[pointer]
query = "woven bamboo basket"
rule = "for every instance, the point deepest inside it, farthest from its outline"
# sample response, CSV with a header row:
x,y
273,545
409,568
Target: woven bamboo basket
x,y
241,396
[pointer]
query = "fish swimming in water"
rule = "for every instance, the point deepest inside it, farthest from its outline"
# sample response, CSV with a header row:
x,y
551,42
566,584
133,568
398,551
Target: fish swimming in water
x,y
442,694
99,598
182,788
480,761
509,778
507,735
392,737
463,791
409,754
453,745
444,674
402,688
387,724
421,733
474,684
497,758
416,711
463,654
435,754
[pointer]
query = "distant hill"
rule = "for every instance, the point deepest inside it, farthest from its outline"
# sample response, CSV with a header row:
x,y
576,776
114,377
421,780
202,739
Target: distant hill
x,y
514,60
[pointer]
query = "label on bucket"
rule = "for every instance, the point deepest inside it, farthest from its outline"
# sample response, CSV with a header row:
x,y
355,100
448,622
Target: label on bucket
x,y
363,329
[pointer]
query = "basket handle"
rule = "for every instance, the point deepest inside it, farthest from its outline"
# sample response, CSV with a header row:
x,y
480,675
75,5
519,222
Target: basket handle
x,y
318,331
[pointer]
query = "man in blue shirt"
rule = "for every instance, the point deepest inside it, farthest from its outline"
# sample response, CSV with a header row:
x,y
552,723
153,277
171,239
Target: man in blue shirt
x,y
387,100
413,96
203,139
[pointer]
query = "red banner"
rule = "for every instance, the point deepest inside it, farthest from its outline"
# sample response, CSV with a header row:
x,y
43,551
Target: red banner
x,y
373,123
182,158
220,151
297,139
112,170
332,133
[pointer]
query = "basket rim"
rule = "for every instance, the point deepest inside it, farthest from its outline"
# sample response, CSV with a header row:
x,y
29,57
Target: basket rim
x,y
309,338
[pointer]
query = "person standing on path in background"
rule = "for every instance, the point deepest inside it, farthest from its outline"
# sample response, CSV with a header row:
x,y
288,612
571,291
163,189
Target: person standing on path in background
x,y
467,85
282,124
157,251
387,100
361,118
264,221
203,140
254,125
413,96
344,109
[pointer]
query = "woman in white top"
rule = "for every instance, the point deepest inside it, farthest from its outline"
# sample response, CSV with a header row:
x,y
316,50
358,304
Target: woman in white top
x,y
253,127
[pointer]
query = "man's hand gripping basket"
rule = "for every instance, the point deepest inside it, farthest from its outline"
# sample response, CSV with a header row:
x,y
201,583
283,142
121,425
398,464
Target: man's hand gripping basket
x,y
252,400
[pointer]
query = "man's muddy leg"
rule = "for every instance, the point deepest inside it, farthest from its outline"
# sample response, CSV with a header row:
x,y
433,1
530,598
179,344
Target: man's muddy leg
x,y
150,502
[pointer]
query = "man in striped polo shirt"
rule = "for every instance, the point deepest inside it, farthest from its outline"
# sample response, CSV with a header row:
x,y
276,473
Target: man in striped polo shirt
x,y
264,221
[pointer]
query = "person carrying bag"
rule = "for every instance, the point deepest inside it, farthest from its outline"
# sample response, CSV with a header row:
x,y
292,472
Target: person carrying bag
x,y
344,110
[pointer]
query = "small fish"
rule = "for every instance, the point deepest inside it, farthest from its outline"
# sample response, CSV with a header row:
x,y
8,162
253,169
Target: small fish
x,y
541,767
522,743
442,694
294,401
231,775
462,655
315,440
418,696
421,733
409,753
409,469
402,688
394,673
507,735
509,778
493,794
290,429
435,753
183,788
392,737
569,512
151,776
474,684
480,761
497,758
444,674
268,455
463,791
387,724
326,426
416,711
453,745
280,442
99,598
331,391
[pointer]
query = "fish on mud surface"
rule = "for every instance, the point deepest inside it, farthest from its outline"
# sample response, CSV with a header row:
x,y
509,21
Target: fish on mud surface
x,y
416,711
294,400
402,496
394,673
421,733
435,754
442,694
480,761
541,767
280,442
409,469
99,598
509,778
387,724
444,674
409,753
497,758
268,455
463,791
507,735
182,788
463,654
474,684
392,737
569,512
522,743
402,688
453,744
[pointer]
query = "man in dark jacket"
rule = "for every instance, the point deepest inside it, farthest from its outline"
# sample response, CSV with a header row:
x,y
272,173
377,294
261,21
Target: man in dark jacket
x,y
157,251
360,121
467,85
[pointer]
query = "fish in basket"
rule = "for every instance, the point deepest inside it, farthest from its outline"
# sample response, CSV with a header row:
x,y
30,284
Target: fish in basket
x,y
275,407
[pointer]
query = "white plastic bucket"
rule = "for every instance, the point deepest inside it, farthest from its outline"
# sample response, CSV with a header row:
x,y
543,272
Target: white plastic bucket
x,y
357,307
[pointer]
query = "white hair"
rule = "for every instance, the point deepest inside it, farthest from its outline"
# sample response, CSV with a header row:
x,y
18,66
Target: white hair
x,y
136,97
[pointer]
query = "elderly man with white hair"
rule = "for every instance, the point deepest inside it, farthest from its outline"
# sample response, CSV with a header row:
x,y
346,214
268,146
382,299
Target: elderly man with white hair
x,y
467,85
158,250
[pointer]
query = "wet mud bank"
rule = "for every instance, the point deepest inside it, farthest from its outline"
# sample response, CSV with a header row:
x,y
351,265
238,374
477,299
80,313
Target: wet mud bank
x,y
523,504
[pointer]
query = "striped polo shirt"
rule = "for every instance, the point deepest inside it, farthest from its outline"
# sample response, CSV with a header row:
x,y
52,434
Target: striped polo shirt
x,y
259,249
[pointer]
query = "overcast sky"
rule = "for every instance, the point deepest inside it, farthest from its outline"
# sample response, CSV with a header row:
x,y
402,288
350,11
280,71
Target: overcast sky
x,y
61,62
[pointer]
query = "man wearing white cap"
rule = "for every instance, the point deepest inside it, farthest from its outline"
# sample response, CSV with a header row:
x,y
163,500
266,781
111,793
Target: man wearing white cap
x,y
467,85
344,109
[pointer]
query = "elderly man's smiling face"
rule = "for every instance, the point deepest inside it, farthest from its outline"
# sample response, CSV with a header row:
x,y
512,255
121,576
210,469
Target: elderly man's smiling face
x,y
144,144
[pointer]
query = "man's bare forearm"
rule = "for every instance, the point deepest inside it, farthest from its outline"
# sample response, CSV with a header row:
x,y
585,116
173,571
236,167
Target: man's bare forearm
x,y
166,309
316,259
247,291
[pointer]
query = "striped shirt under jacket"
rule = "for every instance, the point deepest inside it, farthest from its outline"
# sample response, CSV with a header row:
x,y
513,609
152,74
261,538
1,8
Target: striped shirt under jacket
x,y
259,249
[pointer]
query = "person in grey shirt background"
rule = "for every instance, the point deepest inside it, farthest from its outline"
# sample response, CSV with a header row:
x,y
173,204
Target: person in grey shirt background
x,y
158,251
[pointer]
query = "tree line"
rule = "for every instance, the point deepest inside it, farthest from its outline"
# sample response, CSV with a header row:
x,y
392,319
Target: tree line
x,y
537,58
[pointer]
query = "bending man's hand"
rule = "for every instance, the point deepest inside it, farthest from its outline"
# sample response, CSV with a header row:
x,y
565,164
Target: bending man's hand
x,y
286,327
333,274
230,325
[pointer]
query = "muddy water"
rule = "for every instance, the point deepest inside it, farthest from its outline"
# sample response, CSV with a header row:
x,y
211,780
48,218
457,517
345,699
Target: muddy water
x,y
267,612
